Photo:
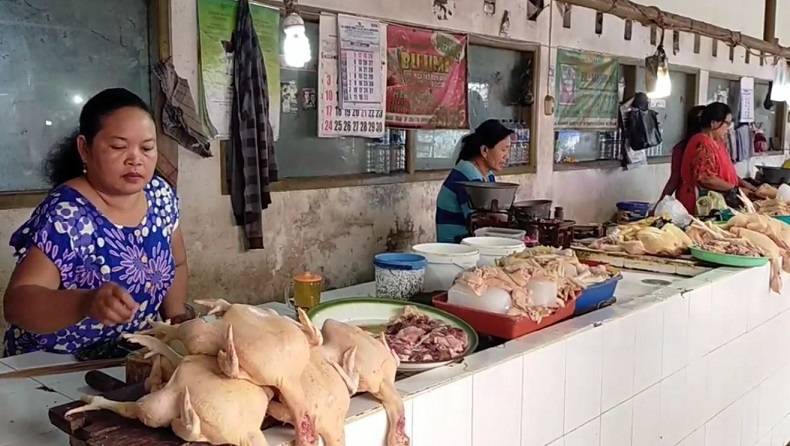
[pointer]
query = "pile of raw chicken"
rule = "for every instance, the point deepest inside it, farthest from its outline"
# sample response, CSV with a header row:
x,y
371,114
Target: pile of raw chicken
x,y
514,272
415,337
654,236
750,234
250,363
771,204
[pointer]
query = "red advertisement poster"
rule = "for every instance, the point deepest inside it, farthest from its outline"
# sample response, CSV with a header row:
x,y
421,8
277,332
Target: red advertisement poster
x,y
426,79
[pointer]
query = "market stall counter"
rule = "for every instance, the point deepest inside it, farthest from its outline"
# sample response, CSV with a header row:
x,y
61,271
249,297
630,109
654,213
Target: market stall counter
x,y
701,361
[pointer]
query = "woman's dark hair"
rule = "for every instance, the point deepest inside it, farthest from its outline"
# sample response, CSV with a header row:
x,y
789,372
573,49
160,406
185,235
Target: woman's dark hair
x,y
487,134
693,123
63,162
714,112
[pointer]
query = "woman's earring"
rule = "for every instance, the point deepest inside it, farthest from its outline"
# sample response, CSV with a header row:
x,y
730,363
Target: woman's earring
x,y
84,168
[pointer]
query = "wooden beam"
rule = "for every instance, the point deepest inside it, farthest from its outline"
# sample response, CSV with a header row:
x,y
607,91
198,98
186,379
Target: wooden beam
x,y
769,26
647,15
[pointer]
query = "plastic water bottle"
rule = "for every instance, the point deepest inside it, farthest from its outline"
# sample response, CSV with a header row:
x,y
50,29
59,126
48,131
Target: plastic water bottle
x,y
525,150
515,147
372,152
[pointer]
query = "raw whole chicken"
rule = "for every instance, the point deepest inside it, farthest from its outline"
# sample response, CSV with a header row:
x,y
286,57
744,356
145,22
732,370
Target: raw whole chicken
x,y
376,365
769,249
741,242
199,402
640,239
328,387
244,339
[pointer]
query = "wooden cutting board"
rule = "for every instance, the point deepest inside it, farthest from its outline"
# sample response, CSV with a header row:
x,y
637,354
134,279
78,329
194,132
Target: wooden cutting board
x,y
682,266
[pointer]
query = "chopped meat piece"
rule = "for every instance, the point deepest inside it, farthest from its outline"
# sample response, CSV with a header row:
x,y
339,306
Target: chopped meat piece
x,y
415,337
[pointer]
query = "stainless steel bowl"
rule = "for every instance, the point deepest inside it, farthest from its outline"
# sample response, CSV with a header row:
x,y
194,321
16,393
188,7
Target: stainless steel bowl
x,y
491,197
532,209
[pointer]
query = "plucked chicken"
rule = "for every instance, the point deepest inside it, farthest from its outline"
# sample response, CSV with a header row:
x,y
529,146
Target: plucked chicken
x,y
773,207
199,402
244,339
376,365
328,387
740,242
517,273
652,236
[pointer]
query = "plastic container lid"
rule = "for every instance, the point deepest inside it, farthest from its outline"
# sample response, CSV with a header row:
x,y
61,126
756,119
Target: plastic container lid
x,y
400,261
493,246
446,252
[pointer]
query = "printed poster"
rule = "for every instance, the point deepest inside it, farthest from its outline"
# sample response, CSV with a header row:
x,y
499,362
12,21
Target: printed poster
x,y
426,79
586,91
216,24
333,120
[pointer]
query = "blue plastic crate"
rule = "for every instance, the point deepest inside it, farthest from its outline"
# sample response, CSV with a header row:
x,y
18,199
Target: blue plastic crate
x,y
596,295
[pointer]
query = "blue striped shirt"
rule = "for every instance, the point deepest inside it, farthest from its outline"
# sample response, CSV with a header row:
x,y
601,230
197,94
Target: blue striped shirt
x,y
452,208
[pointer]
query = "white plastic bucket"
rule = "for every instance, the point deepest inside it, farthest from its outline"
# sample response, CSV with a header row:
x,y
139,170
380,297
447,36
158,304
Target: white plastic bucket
x,y
445,261
492,248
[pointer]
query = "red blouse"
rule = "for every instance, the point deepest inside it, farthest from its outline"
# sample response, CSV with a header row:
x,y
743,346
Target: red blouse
x,y
703,158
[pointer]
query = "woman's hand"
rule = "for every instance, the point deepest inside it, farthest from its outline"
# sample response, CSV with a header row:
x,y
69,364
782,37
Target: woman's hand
x,y
111,304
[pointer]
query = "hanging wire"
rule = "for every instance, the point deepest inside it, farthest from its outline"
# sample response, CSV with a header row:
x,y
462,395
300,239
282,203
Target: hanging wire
x,y
549,87
291,7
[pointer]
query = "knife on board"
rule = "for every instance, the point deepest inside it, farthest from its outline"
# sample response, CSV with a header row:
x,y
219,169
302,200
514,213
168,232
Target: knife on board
x,y
102,382
64,368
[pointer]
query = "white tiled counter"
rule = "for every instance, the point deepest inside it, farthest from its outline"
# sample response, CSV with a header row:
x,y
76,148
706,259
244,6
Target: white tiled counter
x,y
704,361
701,362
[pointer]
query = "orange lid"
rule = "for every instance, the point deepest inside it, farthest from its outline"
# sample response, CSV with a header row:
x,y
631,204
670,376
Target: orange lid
x,y
308,277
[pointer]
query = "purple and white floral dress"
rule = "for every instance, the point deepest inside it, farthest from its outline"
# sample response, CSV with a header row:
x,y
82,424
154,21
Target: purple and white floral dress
x,y
89,250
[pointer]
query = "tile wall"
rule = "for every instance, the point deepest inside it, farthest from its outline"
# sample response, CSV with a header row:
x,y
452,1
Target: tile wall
x,y
705,367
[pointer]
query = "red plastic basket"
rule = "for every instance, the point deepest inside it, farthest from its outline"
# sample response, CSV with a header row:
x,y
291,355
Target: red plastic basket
x,y
502,325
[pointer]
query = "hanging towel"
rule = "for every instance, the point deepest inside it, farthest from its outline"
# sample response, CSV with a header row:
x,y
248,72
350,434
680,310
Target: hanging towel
x,y
252,165
179,114
745,142
731,142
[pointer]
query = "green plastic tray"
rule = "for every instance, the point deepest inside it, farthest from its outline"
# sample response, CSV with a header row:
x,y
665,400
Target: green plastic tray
x,y
784,219
726,259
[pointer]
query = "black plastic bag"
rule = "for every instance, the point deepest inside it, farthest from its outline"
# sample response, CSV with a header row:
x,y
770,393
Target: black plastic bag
x,y
643,129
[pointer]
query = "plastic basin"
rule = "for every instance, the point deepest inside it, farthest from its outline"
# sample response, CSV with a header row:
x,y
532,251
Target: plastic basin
x,y
727,260
595,295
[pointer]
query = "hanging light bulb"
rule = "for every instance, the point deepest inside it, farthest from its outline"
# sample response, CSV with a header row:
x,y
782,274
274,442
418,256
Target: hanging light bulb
x,y
657,81
296,46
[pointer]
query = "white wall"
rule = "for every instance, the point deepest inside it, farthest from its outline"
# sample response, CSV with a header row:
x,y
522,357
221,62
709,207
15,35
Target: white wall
x,y
782,21
730,14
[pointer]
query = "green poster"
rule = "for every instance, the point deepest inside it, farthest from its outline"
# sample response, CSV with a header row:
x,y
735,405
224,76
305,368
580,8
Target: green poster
x,y
216,24
586,91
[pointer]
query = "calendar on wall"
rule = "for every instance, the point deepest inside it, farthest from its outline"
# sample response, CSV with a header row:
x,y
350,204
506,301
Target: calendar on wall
x,y
350,116
359,63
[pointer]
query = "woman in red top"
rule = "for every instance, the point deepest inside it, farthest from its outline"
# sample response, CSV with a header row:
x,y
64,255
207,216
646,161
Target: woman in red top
x,y
693,127
706,162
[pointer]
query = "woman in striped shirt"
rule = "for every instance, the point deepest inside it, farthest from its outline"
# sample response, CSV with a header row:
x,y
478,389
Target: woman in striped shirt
x,y
483,152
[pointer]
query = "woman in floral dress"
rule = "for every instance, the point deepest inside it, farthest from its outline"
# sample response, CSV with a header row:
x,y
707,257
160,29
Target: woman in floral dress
x,y
103,252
